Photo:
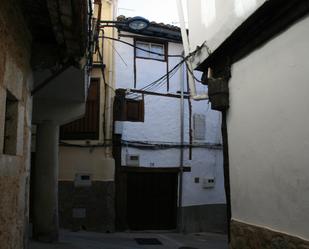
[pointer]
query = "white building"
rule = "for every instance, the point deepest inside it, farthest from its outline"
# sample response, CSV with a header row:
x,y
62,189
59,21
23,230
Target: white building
x,y
150,128
261,49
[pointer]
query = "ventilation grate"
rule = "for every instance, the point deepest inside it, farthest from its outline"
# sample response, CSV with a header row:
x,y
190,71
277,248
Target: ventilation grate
x,y
148,241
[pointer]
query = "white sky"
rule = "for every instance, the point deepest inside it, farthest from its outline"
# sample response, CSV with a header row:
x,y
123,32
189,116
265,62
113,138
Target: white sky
x,y
154,10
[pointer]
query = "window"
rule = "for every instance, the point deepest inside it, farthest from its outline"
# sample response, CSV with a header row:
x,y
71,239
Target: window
x,y
128,109
10,125
88,126
199,126
134,110
153,47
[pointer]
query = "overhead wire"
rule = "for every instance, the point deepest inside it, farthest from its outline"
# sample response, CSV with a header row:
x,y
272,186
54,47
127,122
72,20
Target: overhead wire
x,y
164,76
142,49
123,60
102,69
163,82
157,84
169,74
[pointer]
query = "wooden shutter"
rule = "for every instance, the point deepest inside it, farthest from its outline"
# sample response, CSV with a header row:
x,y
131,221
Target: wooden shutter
x,y
88,126
134,110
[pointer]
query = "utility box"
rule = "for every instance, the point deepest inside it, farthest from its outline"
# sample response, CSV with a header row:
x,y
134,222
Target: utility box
x,y
209,182
82,180
132,160
218,92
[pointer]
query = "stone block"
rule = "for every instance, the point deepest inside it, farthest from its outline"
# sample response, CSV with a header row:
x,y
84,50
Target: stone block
x,y
13,78
2,116
245,236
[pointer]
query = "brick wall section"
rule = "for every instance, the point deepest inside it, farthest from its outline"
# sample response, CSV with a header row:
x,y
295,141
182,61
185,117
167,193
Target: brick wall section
x,y
244,236
15,75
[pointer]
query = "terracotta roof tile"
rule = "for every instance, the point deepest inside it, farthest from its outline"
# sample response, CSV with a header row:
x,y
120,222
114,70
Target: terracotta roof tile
x,y
152,23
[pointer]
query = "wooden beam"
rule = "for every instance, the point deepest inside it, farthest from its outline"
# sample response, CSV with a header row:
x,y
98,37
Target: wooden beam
x,y
142,169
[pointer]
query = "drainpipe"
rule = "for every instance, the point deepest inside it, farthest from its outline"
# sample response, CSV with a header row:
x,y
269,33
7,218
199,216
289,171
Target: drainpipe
x,y
186,45
180,211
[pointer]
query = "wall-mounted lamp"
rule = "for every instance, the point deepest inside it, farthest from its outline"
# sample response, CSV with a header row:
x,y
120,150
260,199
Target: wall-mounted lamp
x,y
136,23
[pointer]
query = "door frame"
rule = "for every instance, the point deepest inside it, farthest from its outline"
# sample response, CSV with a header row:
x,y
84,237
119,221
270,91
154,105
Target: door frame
x,y
121,185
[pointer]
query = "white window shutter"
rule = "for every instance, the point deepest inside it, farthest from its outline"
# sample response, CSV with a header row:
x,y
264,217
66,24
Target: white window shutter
x,y
199,126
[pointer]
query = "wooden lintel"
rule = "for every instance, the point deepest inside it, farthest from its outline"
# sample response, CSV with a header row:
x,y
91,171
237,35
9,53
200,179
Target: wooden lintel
x,y
142,169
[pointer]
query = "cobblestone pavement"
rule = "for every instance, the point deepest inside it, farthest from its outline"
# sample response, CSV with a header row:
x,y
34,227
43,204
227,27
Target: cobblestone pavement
x,y
91,240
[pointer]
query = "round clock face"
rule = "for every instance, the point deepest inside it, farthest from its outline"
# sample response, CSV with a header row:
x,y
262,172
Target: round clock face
x,y
138,23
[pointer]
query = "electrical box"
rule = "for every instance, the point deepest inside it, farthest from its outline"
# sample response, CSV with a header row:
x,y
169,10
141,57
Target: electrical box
x,y
132,160
209,182
82,180
218,92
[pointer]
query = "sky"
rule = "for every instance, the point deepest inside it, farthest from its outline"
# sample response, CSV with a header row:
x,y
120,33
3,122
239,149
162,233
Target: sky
x,y
154,10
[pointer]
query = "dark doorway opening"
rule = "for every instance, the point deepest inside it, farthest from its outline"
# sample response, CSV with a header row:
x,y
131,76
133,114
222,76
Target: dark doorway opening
x,y
152,200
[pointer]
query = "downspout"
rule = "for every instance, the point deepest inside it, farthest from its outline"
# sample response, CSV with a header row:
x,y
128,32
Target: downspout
x,y
186,45
111,78
180,192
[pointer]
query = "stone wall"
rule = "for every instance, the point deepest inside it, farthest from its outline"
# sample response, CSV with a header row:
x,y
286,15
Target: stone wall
x,y
205,218
245,236
15,77
90,208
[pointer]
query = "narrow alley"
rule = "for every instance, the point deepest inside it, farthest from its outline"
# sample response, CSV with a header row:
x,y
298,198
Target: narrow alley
x,y
133,124
91,240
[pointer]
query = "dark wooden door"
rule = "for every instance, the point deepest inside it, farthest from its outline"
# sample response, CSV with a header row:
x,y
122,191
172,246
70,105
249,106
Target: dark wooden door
x,y
152,200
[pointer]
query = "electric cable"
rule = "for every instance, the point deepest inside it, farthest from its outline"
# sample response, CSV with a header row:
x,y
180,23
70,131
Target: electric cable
x,y
145,50
123,60
162,83
155,87
192,74
176,67
102,69
158,83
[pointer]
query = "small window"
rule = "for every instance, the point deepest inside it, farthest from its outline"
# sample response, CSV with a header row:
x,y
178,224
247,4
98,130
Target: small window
x,y
134,110
157,48
10,126
199,126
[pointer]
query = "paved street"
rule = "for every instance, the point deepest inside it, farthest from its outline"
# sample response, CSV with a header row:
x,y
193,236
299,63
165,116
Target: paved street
x,y
90,240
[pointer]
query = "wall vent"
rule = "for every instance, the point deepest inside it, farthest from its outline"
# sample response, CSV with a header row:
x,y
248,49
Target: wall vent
x,y
199,125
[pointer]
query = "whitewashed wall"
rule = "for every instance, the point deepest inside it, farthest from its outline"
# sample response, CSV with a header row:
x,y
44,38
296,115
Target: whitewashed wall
x,y
268,127
162,124
214,20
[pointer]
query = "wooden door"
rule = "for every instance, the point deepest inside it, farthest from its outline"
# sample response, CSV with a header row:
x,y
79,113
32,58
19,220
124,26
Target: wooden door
x,y
152,200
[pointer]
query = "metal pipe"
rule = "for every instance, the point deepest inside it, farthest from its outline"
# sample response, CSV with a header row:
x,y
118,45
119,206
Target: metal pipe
x,y
186,45
181,166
